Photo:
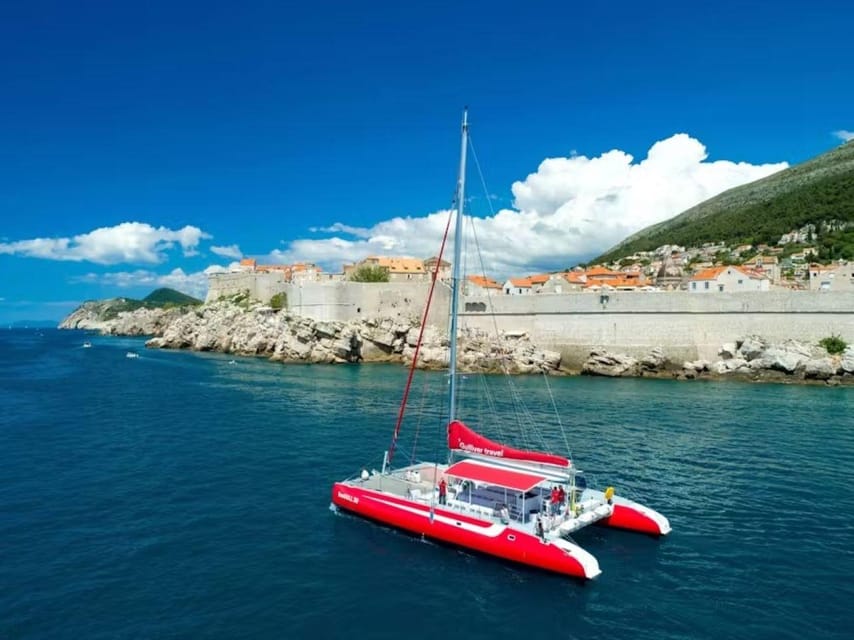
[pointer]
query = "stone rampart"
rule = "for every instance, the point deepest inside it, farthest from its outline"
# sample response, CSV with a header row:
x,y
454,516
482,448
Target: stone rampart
x,y
346,301
687,326
261,286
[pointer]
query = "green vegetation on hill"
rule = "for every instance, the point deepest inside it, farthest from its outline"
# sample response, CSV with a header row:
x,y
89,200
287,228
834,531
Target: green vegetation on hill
x,y
112,308
165,296
835,245
820,190
161,298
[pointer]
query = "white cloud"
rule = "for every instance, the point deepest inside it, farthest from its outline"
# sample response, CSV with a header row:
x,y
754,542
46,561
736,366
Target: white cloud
x,y
569,210
417,237
231,251
359,232
844,135
130,242
194,284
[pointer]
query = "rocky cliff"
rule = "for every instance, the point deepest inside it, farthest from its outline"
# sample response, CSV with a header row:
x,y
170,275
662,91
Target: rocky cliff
x,y
110,317
258,330
282,336
279,335
751,358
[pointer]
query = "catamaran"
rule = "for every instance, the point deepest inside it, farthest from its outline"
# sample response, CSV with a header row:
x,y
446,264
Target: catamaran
x,y
517,504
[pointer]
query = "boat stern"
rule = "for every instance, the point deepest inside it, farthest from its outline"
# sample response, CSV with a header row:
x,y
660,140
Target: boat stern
x,y
634,516
588,565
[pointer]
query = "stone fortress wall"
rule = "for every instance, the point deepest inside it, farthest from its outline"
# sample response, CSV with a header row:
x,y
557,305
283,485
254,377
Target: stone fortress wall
x,y
261,286
687,326
337,301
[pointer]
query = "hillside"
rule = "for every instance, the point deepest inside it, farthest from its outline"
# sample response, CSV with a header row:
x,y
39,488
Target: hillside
x,y
158,299
90,314
821,189
163,297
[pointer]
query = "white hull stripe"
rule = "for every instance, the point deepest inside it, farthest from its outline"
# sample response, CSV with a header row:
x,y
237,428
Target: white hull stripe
x,y
493,531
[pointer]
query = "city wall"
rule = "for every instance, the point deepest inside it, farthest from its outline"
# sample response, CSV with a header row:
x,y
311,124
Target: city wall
x,y
687,326
345,301
261,286
337,301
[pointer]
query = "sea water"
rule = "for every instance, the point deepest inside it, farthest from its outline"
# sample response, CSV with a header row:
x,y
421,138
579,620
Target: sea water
x,y
183,495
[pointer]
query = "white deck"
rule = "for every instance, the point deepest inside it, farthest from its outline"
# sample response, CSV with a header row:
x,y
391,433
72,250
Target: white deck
x,y
419,483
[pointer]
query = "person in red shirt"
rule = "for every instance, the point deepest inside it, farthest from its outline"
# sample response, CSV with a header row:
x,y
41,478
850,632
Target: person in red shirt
x,y
555,499
443,492
561,495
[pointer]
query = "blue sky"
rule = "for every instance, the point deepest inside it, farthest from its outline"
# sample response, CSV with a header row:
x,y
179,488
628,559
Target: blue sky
x,y
143,143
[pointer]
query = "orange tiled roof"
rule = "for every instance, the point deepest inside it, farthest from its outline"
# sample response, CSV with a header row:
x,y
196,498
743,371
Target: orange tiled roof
x,y
305,266
599,270
521,282
397,265
714,272
754,274
484,282
574,277
616,283
434,259
709,274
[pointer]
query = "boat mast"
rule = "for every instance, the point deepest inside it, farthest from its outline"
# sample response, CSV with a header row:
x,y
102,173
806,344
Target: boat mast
x,y
455,278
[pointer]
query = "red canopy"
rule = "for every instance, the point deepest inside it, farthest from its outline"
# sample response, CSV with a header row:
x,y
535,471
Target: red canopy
x,y
497,476
461,438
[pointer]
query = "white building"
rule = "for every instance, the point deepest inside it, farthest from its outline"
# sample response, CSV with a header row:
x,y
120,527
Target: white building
x,y
476,285
832,278
564,282
398,269
730,279
518,287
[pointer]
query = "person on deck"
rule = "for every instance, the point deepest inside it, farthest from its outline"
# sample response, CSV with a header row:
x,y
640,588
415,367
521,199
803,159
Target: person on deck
x,y
561,494
443,492
504,514
555,500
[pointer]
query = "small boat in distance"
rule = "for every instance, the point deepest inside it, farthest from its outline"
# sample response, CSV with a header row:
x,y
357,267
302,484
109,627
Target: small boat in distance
x,y
131,354
516,504
87,345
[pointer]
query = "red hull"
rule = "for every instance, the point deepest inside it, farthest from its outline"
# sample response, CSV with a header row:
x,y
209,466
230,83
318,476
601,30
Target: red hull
x,y
625,517
463,531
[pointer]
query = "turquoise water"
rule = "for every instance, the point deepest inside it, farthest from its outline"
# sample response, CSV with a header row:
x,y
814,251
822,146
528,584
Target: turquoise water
x,y
179,496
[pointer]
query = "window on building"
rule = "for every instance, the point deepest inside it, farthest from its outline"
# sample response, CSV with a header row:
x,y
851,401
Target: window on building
x,y
741,282
707,285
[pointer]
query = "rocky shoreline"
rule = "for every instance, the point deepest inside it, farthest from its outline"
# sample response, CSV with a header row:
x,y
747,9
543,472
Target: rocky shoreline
x,y
257,330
